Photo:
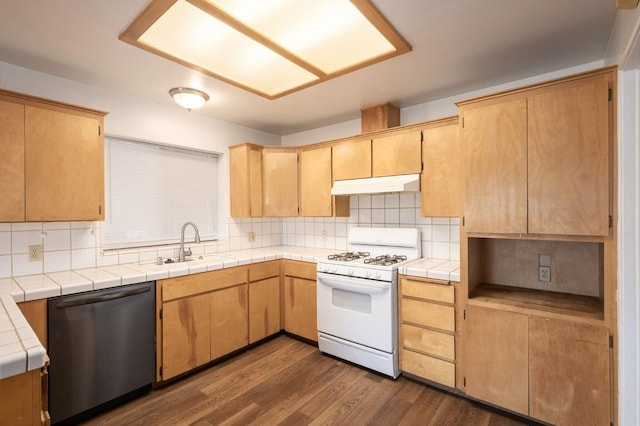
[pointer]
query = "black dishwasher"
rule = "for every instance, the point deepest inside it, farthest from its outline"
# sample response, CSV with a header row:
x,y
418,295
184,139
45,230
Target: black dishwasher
x,y
102,349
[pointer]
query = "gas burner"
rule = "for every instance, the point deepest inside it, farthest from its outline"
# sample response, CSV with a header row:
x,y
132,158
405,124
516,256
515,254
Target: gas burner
x,y
348,256
385,260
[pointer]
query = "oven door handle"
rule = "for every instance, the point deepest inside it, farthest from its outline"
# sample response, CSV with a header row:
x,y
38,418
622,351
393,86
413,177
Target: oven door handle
x,y
356,285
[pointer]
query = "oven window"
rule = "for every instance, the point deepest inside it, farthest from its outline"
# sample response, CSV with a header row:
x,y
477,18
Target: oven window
x,y
350,300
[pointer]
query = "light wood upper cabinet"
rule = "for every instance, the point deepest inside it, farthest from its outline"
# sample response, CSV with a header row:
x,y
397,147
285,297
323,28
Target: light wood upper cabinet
x,y
495,142
64,166
569,158
441,180
52,160
280,180
11,162
245,169
497,364
538,160
398,153
352,159
315,185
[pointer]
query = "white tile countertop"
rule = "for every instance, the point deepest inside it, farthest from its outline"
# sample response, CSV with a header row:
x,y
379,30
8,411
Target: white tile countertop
x,y
441,269
20,349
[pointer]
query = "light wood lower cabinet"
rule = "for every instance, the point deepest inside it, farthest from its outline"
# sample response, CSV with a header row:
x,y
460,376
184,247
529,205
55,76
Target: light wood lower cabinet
x,y
300,311
427,326
557,371
186,335
264,300
229,321
201,317
24,399
35,312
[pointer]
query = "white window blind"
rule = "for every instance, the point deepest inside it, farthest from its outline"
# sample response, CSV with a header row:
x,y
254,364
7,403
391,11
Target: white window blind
x,y
152,190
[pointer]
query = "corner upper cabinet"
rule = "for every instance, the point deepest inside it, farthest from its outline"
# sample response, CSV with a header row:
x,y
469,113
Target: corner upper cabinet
x,y
351,159
441,179
53,154
315,185
397,153
245,167
280,182
538,160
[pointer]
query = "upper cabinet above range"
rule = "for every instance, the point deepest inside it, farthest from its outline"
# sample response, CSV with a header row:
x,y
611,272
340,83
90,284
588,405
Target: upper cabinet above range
x,y
538,160
51,162
387,153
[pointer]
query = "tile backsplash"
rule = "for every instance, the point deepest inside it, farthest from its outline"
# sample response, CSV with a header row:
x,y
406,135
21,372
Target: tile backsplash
x,y
77,245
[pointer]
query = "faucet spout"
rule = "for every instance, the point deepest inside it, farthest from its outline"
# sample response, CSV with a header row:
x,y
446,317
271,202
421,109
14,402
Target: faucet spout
x,y
182,253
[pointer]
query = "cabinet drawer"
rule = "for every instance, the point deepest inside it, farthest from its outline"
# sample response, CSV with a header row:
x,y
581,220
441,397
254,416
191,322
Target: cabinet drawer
x,y
188,285
295,268
423,290
428,341
261,271
429,368
428,314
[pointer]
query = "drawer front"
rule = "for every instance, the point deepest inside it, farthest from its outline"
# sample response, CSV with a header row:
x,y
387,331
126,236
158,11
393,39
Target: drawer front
x,y
428,341
295,268
189,285
264,270
422,290
428,314
429,368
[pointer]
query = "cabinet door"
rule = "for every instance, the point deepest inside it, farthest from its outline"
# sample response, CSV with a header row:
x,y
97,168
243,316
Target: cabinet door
x,y
352,159
64,166
570,159
229,322
497,358
245,167
441,180
495,144
397,154
185,335
300,311
264,308
11,162
315,182
280,178
570,382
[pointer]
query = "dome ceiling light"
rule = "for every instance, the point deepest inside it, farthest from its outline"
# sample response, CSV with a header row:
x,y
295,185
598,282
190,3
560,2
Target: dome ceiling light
x,y
188,98
270,48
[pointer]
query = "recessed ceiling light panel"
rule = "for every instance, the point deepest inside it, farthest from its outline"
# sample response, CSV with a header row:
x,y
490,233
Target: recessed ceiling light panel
x,y
271,48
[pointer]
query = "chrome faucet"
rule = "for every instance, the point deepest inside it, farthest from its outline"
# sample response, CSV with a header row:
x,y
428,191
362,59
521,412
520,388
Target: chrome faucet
x,y
182,253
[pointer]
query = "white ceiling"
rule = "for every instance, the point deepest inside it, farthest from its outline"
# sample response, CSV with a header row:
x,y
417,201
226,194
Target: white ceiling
x,y
458,46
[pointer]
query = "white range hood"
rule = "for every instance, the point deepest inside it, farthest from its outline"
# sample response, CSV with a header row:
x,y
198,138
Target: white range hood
x,y
377,185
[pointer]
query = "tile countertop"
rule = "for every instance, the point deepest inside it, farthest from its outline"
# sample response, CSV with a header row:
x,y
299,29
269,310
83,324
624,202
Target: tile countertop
x,y
441,269
20,349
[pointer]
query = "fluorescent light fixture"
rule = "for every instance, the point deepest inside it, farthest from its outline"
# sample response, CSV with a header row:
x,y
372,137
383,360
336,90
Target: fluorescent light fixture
x,y
188,98
271,48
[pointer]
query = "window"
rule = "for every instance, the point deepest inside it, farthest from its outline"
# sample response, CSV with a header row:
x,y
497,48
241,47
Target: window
x,y
152,190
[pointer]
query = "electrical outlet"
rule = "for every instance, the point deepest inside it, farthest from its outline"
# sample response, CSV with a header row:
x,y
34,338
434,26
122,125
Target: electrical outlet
x,y
35,253
544,273
324,235
252,237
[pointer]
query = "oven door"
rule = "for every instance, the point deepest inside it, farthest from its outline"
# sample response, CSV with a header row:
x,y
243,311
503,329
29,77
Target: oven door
x,y
359,310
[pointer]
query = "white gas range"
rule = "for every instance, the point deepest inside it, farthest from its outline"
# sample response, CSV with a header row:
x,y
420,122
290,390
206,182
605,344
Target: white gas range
x,y
358,297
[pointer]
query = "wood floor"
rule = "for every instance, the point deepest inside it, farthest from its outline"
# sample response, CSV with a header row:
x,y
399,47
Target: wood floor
x,y
288,382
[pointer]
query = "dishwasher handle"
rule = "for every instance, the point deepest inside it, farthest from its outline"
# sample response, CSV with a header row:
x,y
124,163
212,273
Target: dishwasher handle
x,y
101,298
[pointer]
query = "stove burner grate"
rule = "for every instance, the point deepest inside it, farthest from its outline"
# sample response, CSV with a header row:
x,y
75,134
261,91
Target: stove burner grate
x,y
349,256
385,260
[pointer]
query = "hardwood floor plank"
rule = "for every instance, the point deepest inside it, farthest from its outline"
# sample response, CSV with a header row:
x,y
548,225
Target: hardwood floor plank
x,y
287,382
